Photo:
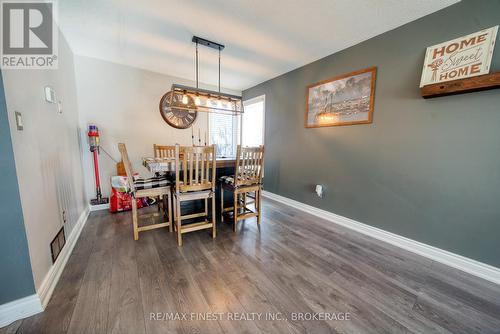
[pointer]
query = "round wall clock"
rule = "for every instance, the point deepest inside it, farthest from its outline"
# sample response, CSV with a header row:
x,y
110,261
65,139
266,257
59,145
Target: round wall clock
x,y
178,118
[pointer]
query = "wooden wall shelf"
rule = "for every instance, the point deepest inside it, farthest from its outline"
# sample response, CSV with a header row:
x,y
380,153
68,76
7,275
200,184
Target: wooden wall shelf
x,y
461,86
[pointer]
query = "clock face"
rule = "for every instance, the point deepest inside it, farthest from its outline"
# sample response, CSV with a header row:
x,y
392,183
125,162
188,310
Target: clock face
x,y
178,118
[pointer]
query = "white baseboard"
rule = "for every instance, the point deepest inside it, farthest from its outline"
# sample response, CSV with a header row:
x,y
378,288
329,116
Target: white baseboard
x,y
470,266
31,305
99,207
19,309
52,277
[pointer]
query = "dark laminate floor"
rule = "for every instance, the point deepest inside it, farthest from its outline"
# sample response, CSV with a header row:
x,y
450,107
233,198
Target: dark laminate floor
x,y
296,263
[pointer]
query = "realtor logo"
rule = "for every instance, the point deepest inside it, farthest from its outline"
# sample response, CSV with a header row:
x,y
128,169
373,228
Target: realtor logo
x,y
29,35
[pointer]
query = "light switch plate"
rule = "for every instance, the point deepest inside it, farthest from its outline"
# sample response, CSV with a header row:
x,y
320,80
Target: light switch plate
x,y
19,121
50,95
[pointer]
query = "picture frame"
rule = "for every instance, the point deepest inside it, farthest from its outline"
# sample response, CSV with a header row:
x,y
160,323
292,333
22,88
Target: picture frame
x,y
347,99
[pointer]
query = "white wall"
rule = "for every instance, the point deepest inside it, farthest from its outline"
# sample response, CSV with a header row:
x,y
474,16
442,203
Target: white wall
x,y
47,154
53,163
123,102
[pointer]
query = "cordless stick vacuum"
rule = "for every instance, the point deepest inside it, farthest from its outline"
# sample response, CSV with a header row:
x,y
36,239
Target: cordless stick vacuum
x,y
93,135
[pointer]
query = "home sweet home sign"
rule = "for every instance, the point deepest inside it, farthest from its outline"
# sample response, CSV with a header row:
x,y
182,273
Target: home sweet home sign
x,y
460,58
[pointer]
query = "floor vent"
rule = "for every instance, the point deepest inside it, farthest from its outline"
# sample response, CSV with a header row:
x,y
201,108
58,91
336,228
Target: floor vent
x,y
57,244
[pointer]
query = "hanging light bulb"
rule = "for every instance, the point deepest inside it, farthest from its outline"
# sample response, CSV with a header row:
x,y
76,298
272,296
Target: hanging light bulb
x,y
184,98
224,104
197,100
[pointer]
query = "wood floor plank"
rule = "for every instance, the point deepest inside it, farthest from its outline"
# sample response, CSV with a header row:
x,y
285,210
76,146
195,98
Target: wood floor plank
x,y
252,297
155,288
270,275
442,302
11,328
406,297
406,268
57,316
288,276
208,275
91,310
293,264
184,291
125,314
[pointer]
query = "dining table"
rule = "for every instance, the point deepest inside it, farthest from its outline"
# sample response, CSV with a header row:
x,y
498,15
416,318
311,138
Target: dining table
x,y
225,167
163,165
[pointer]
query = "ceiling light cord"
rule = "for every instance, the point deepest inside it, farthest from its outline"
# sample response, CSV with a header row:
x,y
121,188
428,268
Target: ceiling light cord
x,y
196,64
219,69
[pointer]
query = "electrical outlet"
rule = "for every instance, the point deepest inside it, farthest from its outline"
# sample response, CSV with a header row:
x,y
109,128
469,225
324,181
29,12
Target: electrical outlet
x,y
319,190
64,217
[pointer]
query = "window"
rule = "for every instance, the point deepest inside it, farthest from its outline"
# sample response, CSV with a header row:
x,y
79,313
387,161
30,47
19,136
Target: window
x,y
252,126
228,131
224,132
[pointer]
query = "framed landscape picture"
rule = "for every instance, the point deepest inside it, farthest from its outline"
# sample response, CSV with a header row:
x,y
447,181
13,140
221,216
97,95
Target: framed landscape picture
x,y
343,100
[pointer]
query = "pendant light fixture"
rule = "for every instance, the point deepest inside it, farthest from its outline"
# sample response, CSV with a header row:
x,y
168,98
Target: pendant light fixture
x,y
205,100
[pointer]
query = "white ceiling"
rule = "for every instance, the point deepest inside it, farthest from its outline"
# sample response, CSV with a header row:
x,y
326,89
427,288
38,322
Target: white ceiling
x,y
263,38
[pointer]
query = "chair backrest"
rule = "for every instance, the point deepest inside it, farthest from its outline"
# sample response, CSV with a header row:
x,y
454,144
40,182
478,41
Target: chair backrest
x,y
249,165
198,164
127,165
162,151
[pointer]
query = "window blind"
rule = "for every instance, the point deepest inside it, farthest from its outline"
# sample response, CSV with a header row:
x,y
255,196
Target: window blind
x,y
224,133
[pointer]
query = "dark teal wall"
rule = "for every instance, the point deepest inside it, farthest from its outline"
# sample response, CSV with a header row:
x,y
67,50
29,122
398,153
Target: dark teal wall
x,y
428,170
16,279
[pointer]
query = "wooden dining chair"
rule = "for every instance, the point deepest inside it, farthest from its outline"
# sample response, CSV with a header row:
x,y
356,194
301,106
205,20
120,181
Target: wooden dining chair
x,y
164,151
249,170
158,186
197,181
